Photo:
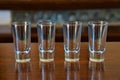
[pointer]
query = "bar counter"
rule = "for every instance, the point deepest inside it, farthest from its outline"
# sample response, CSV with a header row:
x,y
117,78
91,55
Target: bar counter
x,y
60,69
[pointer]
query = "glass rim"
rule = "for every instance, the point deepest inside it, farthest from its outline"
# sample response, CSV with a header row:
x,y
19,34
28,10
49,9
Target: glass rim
x,y
21,23
72,22
98,22
45,22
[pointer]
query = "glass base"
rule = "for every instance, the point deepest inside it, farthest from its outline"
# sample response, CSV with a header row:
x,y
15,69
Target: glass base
x,y
96,60
71,60
22,57
46,60
22,60
71,57
46,57
96,57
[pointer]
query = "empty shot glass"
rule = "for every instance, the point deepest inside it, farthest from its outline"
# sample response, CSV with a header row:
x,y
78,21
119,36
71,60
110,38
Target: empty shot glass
x,y
22,40
72,38
46,40
97,33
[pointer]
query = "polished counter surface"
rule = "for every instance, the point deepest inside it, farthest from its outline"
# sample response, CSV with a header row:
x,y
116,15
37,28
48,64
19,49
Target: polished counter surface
x,y
60,69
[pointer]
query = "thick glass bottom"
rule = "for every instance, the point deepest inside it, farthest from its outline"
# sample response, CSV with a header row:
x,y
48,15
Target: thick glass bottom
x,y
22,57
22,60
46,60
96,57
72,57
46,57
72,60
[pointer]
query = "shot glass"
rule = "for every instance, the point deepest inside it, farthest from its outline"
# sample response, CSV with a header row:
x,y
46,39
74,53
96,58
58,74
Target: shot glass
x,y
22,40
72,38
97,34
46,40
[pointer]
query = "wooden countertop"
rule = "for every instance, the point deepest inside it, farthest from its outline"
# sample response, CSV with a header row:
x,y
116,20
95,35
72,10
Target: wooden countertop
x,y
58,4
59,69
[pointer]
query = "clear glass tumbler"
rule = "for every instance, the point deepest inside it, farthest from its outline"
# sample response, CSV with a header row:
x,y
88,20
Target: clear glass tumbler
x,y
72,38
97,33
22,40
46,39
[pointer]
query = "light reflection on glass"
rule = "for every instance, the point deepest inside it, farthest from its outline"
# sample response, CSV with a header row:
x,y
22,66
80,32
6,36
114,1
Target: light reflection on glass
x,y
72,70
23,71
96,71
47,70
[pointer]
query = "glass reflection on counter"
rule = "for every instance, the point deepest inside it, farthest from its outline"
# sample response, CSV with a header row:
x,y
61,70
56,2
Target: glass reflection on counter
x,y
23,71
72,70
47,70
96,71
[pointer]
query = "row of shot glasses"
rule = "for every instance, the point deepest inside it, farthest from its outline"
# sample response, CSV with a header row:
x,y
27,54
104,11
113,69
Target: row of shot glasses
x,y
97,33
